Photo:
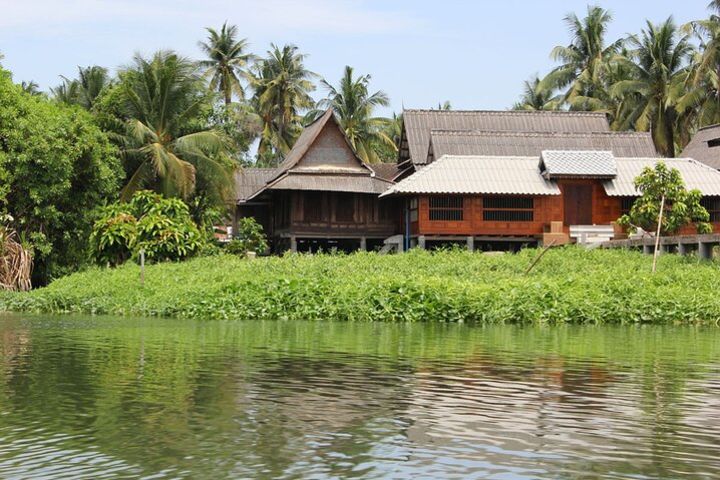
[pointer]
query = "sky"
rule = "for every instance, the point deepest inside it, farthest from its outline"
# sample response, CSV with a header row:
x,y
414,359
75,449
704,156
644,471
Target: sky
x,y
475,54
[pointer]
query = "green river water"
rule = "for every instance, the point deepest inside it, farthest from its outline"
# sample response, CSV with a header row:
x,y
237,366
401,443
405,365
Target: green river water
x,y
99,397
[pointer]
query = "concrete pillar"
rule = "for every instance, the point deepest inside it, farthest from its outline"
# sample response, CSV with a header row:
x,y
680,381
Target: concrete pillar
x,y
683,249
421,241
363,244
293,244
648,248
470,243
705,250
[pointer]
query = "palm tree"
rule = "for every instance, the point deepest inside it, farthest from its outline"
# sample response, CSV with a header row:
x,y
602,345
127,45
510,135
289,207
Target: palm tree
x,y
85,89
585,62
537,97
163,96
30,87
702,98
354,105
227,61
282,87
658,64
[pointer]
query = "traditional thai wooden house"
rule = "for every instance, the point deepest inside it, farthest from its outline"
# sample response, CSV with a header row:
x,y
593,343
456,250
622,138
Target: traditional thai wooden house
x,y
508,201
322,196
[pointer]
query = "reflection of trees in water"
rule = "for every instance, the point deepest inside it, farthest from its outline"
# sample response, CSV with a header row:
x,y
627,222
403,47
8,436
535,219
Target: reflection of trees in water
x,y
234,399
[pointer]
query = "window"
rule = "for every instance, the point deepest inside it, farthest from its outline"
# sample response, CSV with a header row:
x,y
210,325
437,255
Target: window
x,y
413,208
446,208
712,205
312,207
715,142
345,208
626,204
508,209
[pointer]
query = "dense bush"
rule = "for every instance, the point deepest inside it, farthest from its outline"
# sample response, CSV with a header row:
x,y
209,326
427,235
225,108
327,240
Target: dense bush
x,y
248,238
56,166
568,285
160,226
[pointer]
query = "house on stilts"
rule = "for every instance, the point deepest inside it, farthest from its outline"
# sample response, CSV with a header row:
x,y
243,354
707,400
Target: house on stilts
x,y
490,180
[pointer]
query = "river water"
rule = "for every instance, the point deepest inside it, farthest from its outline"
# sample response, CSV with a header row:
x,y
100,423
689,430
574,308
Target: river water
x,y
99,397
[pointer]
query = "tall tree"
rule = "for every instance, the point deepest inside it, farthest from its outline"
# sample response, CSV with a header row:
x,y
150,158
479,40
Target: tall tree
x,y
537,96
354,106
30,87
658,63
585,61
227,62
163,100
282,87
85,89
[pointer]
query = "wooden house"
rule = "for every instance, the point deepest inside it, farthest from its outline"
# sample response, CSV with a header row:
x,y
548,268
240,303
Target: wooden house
x,y
322,196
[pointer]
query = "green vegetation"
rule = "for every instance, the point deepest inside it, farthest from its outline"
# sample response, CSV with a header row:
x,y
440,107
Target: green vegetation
x,y
663,190
248,238
161,227
568,285
664,80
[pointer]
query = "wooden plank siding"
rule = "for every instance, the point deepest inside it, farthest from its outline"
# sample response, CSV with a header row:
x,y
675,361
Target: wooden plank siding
x,y
337,214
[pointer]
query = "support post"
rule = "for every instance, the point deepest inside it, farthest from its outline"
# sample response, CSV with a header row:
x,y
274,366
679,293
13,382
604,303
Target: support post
x,y
705,250
142,267
363,244
647,249
471,243
683,249
293,244
421,241
657,235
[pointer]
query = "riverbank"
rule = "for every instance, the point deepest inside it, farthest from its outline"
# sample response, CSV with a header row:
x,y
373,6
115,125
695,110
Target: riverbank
x,y
569,285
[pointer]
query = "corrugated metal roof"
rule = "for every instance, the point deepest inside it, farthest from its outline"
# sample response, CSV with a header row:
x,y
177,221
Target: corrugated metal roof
x,y
478,175
699,149
250,180
622,144
419,123
577,163
385,170
331,183
695,174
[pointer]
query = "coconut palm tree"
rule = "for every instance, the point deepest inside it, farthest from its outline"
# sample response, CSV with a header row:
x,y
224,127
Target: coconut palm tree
x,y
658,63
227,62
584,62
538,97
30,87
354,106
163,96
282,87
85,89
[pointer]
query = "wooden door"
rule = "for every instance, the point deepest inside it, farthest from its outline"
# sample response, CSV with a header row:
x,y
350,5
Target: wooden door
x,y
578,204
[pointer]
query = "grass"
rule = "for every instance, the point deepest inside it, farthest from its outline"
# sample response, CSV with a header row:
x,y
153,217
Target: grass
x,y
569,285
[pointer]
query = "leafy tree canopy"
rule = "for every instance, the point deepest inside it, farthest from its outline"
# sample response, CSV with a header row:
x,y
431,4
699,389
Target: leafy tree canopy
x,y
56,165
681,207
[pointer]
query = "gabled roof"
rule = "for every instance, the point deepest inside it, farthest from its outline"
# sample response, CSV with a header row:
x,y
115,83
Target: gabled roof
x,y
463,142
705,146
577,164
417,125
478,175
386,171
250,180
324,172
695,174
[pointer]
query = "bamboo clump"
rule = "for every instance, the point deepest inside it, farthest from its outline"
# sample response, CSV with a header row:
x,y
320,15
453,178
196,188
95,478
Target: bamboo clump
x,y
15,263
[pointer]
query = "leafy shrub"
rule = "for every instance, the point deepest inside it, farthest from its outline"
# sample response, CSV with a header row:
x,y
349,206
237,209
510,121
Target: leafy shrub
x,y
249,238
160,226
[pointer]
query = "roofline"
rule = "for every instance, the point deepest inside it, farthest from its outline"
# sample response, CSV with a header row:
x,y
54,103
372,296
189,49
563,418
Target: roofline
x,y
510,112
708,127
507,133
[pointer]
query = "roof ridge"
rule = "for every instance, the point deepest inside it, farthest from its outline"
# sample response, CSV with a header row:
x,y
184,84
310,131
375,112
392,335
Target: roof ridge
x,y
510,133
508,112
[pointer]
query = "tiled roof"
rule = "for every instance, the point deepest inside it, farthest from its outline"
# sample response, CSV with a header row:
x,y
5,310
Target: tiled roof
x,y
577,163
419,123
705,146
478,175
695,174
457,142
332,183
